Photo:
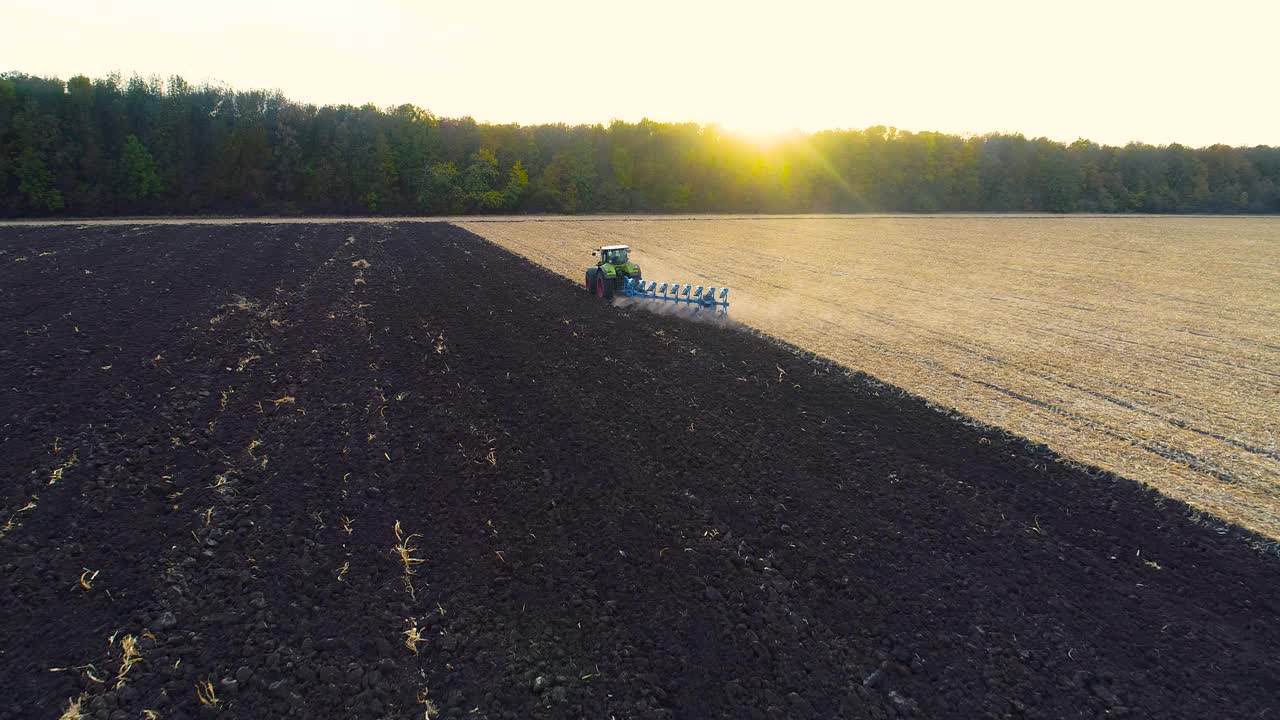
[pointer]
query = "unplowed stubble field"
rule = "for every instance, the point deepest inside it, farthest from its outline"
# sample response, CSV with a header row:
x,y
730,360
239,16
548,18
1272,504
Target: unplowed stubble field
x,y
1145,346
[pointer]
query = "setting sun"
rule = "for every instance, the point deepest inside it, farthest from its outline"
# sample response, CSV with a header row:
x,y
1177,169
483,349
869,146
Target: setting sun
x,y
1112,72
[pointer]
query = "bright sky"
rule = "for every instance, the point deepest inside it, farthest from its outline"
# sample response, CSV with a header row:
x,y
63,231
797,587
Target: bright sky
x,y
1112,71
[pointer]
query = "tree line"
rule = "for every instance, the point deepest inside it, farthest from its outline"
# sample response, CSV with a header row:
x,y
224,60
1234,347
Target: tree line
x,y
113,146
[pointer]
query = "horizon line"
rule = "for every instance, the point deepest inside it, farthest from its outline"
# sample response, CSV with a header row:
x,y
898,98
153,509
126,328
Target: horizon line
x,y
763,138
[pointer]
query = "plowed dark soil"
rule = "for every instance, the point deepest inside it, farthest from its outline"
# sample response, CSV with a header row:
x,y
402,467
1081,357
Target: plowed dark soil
x,y
618,515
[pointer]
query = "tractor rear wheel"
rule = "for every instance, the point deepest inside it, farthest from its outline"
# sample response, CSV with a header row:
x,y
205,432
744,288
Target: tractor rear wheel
x,y
604,287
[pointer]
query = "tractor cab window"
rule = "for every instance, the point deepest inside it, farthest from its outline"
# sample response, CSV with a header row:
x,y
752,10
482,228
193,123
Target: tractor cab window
x,y
614,257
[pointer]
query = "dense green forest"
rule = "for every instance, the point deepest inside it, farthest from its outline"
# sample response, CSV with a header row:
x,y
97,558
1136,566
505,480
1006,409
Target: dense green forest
x,y
115,146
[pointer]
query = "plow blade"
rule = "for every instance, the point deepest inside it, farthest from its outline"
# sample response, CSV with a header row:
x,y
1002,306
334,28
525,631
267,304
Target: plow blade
x,y
711,299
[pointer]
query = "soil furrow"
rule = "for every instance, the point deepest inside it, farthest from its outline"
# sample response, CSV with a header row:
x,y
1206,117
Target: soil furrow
x,y
605,512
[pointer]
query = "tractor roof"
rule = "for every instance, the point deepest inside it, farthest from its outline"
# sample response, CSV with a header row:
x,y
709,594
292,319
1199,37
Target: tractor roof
x,y
615,247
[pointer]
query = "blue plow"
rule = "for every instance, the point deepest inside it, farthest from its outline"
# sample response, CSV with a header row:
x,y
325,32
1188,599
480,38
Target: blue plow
x,y
700,299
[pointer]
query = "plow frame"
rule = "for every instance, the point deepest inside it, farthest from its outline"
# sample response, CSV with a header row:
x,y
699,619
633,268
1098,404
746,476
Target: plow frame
x,y
710,299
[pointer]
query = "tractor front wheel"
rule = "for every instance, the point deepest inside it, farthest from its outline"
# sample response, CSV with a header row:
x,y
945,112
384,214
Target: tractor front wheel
x,y
591,275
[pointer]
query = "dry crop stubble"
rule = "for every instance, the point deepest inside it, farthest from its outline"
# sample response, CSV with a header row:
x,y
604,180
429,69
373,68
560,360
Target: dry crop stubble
x,y
1147,346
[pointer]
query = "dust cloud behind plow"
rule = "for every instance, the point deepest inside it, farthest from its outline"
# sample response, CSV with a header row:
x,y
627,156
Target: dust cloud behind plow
x,y
686,312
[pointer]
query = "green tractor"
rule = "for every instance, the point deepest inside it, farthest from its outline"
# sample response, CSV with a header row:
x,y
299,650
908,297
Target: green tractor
x,y
611,273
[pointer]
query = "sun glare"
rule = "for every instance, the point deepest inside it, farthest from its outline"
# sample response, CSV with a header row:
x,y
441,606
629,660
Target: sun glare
x,y
763,138
759,70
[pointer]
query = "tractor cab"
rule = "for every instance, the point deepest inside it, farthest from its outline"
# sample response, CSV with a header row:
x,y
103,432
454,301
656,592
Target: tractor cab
x,y
612,270
613,254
